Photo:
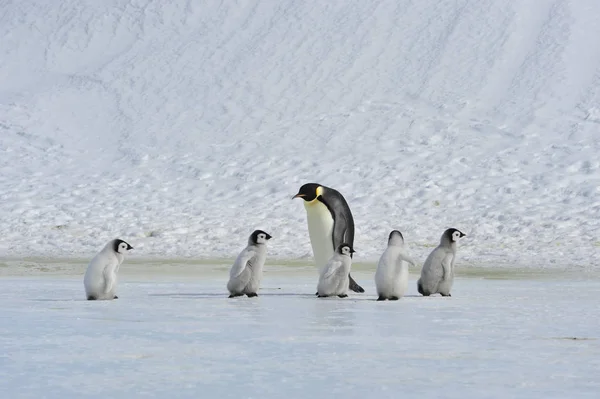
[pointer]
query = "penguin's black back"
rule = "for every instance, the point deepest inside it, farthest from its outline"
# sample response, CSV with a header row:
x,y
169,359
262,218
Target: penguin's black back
x,y
343,222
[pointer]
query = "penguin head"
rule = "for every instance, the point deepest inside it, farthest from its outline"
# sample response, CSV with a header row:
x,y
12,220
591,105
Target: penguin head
x,y
121,247
259,237
309,192
395,238
345,249
452,235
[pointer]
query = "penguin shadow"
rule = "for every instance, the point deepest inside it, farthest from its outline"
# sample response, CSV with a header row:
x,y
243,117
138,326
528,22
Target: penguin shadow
x,y
213,295
58,300
408,296
190,295
264,292
288,294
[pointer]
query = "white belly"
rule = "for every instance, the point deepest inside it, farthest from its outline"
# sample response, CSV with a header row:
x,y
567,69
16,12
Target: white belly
x,y
320,230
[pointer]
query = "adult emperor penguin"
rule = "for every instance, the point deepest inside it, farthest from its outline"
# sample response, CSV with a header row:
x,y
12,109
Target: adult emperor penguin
x,y
330,223
437,274
334,278
391,277
246,272
100,280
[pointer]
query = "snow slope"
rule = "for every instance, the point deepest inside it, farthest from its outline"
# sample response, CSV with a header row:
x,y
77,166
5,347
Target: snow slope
x,y
183,125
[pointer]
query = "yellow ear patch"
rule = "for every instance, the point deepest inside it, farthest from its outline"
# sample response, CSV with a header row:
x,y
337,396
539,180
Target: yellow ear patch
x,y
319,191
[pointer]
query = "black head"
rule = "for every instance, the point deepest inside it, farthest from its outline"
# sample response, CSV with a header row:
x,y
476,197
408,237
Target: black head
x,y
309,192
121,247
259,237
453,235
345,249
395,233
395,238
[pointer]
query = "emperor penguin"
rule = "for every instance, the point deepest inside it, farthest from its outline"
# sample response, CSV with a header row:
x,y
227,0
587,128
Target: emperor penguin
x,y
100,280
330,223
391,277
437,274
334,278
246,272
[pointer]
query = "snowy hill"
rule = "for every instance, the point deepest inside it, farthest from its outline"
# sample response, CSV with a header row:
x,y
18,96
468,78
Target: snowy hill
x,y
183,125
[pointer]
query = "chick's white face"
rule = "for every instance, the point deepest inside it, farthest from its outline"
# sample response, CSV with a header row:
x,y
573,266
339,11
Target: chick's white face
x,y
346,251
261,239
123,248
456,236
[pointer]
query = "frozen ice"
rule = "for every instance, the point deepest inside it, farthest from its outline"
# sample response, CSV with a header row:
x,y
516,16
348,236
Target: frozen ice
x,y
179,335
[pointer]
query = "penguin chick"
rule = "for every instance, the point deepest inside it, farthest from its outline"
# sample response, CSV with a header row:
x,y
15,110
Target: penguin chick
x,y
391,277
437,274
333,279
100,280
246,272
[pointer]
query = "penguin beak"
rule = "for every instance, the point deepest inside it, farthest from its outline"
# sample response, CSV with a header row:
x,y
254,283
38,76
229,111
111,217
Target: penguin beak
x,y
268,237
462,235
352,251
299,196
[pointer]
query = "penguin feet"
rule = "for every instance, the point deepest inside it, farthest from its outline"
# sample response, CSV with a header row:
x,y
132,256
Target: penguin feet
x,y
321,296
394,298
381,298
354,285
252,294
235,295
448,294
115,297
91,298
343,296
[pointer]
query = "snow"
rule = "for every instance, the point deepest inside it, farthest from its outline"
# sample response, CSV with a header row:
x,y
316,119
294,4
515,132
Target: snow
x,y
182,126
178,335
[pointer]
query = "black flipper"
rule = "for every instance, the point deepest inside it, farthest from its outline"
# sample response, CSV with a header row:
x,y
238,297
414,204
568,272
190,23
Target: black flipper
x,y
354,285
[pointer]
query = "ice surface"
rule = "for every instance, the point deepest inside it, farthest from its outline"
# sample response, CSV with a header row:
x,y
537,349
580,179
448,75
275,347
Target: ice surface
x,y
179,336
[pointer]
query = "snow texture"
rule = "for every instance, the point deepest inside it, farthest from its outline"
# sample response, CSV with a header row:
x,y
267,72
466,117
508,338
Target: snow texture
x,y
182,126
181,337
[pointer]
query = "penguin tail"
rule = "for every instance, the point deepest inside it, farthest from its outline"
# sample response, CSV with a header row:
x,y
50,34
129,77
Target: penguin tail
x,y
354,285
